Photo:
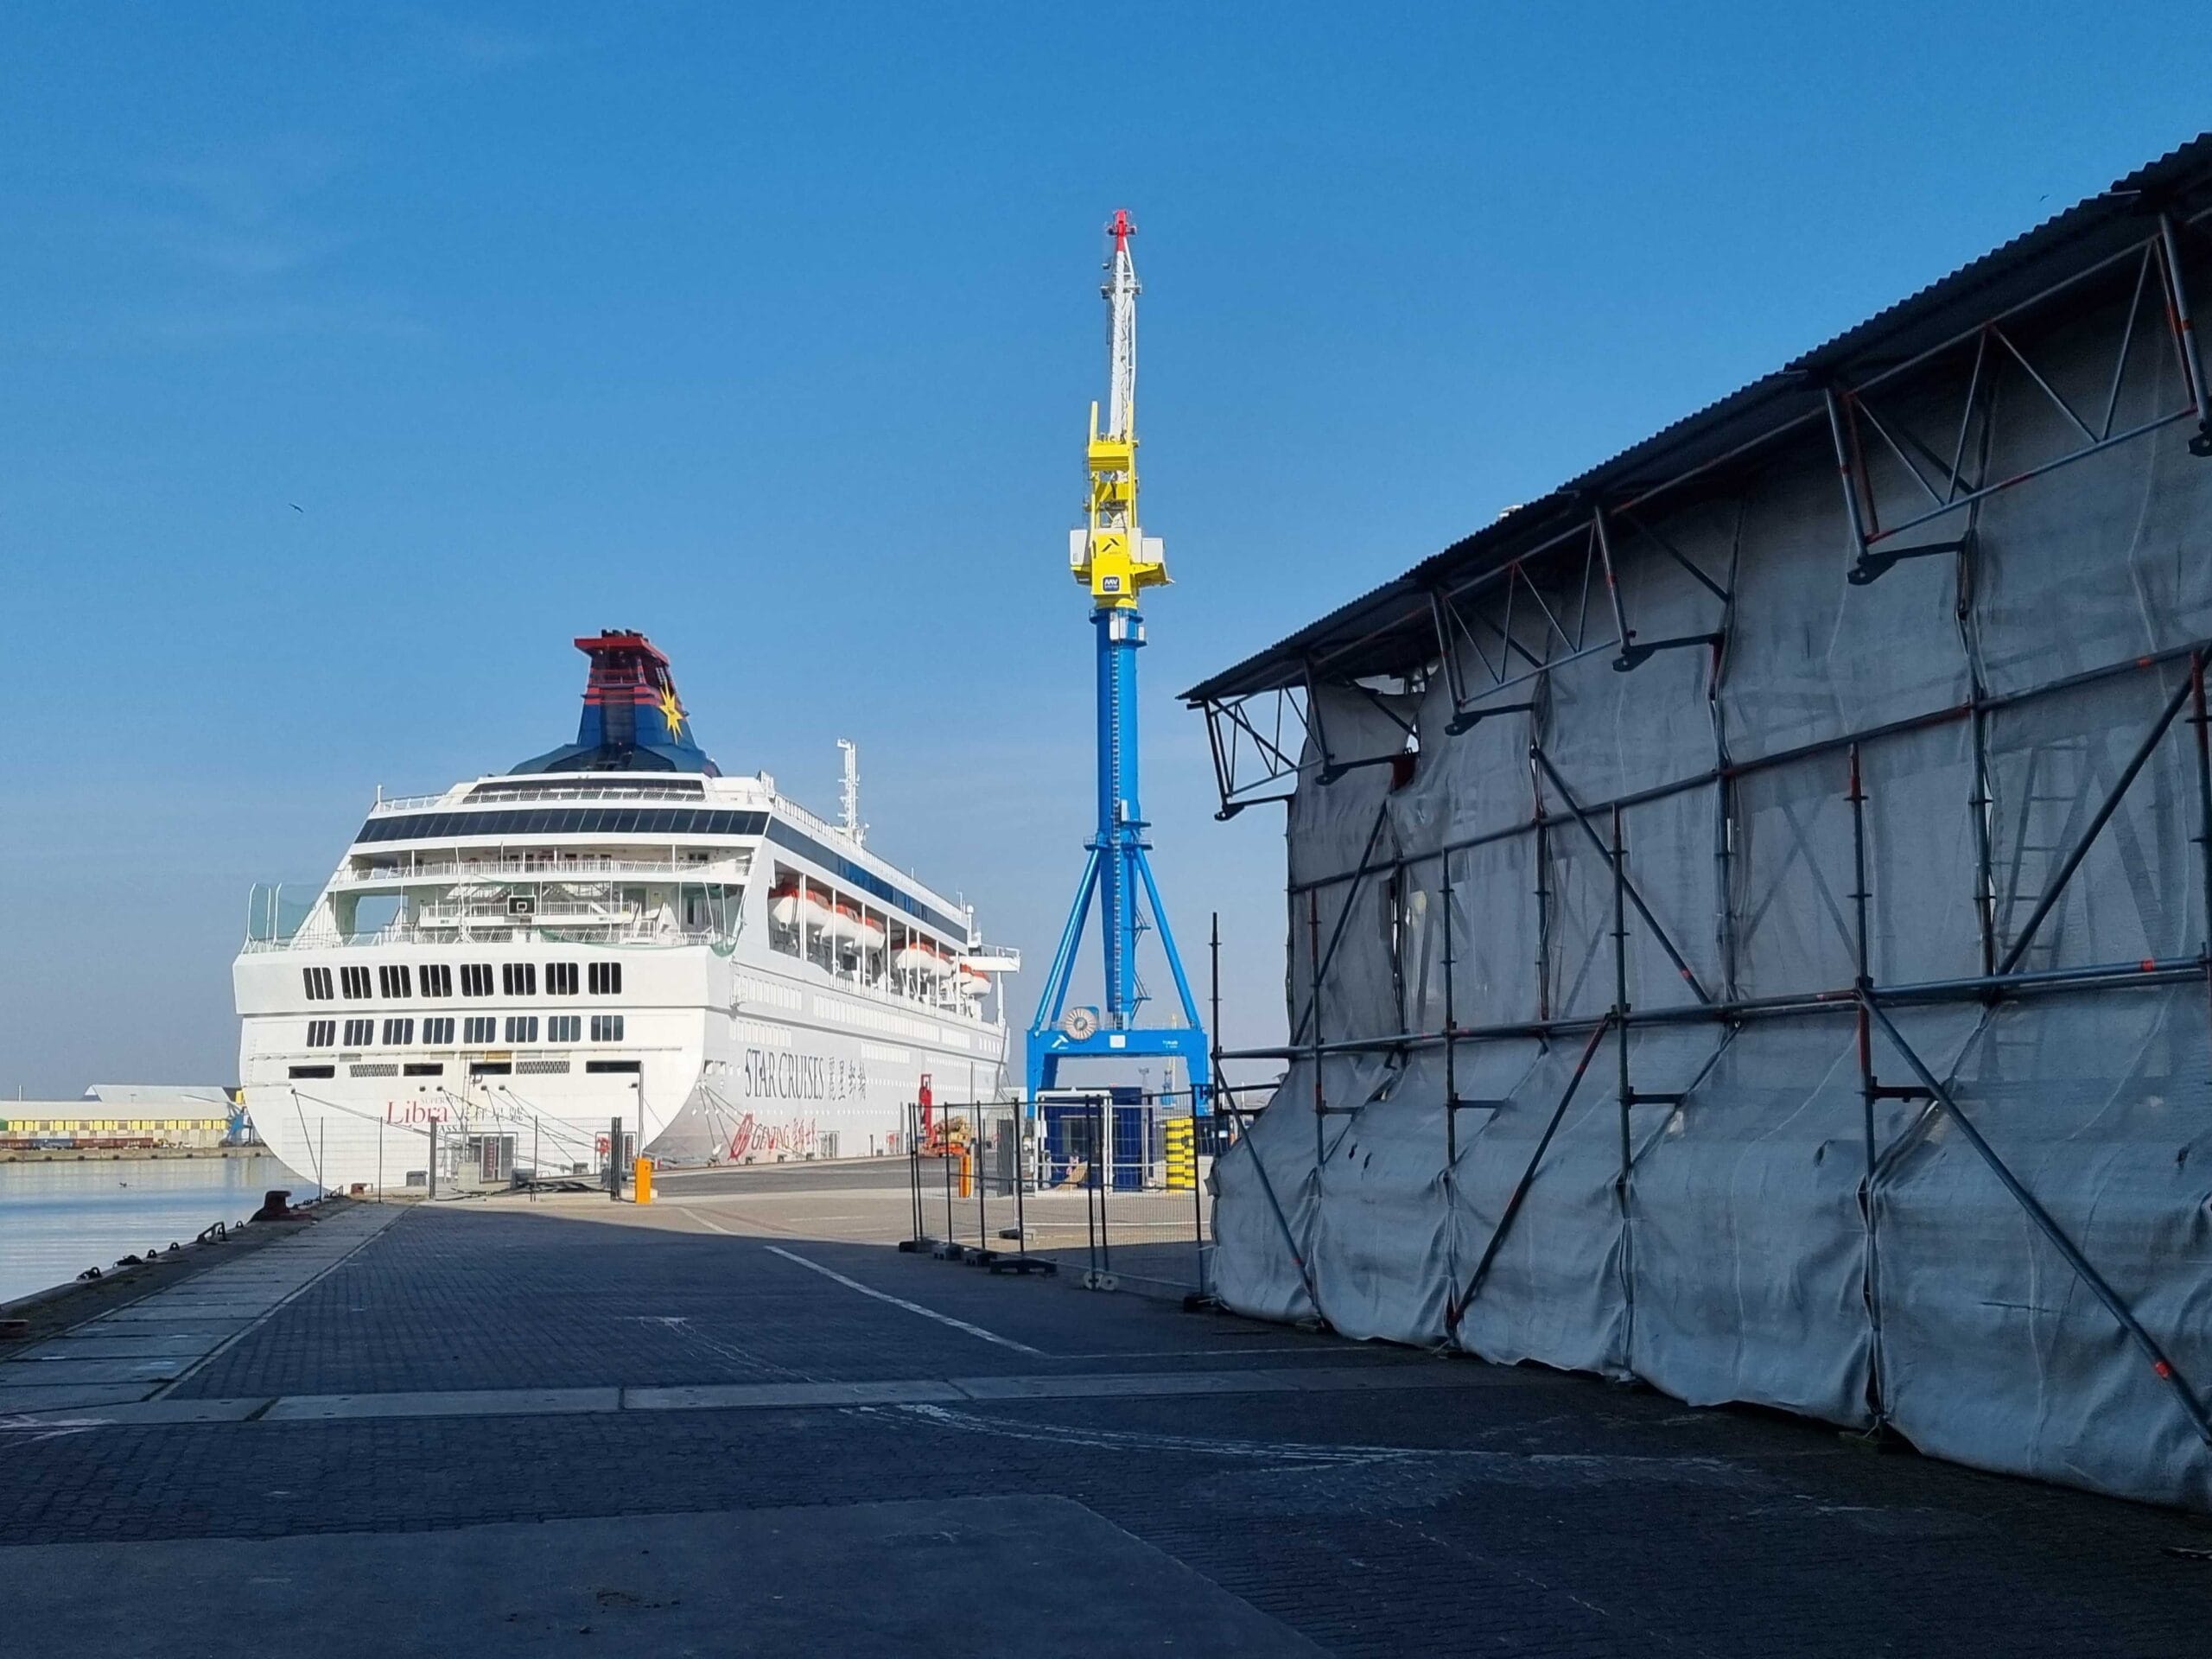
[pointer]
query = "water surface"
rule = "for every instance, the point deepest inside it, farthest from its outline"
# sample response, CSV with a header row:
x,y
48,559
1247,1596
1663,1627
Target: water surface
x,y
57,1219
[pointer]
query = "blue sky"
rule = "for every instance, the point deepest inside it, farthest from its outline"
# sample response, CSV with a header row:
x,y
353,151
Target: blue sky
x,y
771,331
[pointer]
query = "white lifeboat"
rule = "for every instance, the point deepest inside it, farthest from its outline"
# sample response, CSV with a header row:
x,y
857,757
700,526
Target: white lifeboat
x,y
845,927
916,957
819,914
783,905
974,982
872,932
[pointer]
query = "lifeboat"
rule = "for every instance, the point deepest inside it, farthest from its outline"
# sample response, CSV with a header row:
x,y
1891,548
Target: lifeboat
x,y
845,925
974,982
819,913
783,905
915,957
872,932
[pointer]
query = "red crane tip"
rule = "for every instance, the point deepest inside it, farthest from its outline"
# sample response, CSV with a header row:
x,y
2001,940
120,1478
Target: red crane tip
x,y
1121,228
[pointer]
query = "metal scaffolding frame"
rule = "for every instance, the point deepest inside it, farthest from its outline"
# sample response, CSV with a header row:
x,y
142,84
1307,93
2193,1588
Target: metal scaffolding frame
x,y
1489,623
1518,596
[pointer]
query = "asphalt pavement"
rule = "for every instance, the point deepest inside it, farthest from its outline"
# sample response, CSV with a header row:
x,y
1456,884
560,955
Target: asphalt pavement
x,y
731,1423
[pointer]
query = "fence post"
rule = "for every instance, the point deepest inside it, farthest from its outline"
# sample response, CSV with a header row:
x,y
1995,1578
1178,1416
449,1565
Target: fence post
x,y
945,1163
1105,1170
1021,1203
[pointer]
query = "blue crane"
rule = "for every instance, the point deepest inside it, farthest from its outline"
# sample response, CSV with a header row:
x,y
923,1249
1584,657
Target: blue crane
x,y
1116,562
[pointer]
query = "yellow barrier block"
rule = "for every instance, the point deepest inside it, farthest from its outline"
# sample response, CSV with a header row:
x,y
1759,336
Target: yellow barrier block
x,y
642,1174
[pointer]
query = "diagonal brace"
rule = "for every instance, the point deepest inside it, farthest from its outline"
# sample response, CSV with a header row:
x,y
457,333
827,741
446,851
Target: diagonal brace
x,y
1457,1305
2161,1366
2136,762
1628,887
1344,916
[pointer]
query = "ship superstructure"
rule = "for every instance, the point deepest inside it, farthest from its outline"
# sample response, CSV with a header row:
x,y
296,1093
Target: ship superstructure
x,y
611,931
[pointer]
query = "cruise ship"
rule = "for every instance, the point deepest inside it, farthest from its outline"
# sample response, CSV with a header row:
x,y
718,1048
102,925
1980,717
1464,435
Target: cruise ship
x,y
612,946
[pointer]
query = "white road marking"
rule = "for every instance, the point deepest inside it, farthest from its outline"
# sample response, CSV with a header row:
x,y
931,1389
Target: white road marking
x,y
911,1307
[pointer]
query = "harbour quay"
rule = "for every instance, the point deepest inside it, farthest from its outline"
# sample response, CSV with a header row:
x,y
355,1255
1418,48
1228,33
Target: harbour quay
x,y
739,1419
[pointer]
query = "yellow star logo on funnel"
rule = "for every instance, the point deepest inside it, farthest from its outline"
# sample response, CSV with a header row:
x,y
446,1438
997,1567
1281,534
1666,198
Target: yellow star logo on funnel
x,y
671,710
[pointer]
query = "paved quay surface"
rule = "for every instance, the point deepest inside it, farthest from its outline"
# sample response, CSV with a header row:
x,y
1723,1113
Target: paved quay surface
x,y
736,1422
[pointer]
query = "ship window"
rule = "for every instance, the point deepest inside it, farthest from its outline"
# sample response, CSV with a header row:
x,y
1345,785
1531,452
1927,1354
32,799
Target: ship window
x,y
437,979
394,982
565,1027
605,979
315,1071
438,1030
423,1068
359,1033
398,1032
521,1028
489,1069
604,1066
476,979
354,981
321,1033
606,1027
481,1028
318,983
443,826
559,979
518,978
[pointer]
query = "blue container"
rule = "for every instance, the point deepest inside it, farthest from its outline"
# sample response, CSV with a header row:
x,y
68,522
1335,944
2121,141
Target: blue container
x,y
1132,1142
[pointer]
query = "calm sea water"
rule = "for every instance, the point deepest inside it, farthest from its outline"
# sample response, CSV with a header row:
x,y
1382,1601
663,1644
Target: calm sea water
x,y
58,1219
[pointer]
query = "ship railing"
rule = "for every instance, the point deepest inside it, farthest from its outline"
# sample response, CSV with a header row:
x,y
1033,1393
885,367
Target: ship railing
x,y
539,869
503,930
820,825
636,792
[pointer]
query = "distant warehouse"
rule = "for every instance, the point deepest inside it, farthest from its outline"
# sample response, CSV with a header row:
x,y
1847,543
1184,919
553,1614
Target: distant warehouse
x,y
1748,909
119,1117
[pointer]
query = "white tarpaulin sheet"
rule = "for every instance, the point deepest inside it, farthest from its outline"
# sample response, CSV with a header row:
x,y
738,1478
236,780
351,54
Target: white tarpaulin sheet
x,y
1734,1215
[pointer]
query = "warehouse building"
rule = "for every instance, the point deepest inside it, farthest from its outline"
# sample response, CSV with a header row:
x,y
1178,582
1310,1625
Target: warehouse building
x,y
118,1116
1748,910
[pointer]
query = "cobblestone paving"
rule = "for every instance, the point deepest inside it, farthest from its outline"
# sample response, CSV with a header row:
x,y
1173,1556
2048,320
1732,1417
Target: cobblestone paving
x,y
478,1298
1533,1516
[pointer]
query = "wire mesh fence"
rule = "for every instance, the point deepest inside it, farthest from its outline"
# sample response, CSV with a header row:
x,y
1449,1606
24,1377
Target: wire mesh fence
x,y
1111,1185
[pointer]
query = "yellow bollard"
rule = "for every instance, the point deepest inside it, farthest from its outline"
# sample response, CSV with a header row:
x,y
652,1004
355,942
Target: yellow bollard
x,y
967,1174
1182,1155
643,1176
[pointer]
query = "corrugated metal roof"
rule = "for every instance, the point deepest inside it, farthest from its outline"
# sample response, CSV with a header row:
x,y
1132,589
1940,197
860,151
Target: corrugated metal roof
x,y
1388,629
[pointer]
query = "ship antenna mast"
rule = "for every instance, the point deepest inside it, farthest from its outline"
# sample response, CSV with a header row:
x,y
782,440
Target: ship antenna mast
x,y
1114,561
848,794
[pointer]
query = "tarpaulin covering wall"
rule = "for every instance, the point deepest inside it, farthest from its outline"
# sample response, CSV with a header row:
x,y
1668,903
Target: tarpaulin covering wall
x,y
1767,959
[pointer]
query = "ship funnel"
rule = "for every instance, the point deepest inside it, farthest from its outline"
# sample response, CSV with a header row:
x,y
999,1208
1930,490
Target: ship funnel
x,y
632,720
